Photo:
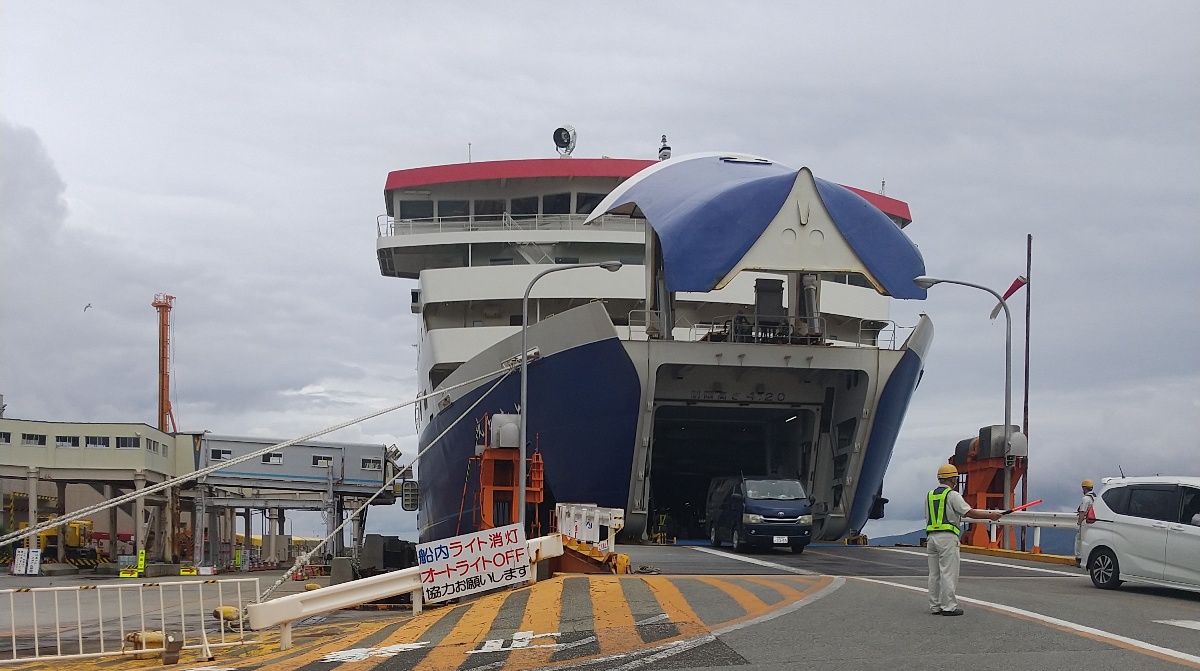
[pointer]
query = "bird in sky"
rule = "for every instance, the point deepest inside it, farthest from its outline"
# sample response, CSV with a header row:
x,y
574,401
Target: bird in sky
x,y
86,307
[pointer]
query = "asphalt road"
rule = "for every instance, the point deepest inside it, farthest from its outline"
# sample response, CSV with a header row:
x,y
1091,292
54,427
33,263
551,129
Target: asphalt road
x,y
699,608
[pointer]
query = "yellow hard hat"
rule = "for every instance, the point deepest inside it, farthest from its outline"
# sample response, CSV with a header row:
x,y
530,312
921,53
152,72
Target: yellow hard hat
x,y
947,471
1087,483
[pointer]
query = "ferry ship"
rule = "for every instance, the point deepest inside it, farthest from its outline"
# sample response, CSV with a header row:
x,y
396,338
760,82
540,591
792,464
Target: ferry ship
x,y
745,331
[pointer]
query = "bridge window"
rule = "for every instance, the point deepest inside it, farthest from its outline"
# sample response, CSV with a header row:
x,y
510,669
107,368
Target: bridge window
x,y
66,441
126,442
274,458
372,464
33,439
416,209
454,210
586,202
556,203
98,442
5,437
489,210
524,208
322,460
152,446
219,454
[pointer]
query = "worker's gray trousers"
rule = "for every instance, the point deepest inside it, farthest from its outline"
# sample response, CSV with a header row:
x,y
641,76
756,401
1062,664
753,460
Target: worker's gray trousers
x,y
943,570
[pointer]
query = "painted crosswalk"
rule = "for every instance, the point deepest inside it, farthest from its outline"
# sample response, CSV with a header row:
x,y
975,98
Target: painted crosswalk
x,y
604,621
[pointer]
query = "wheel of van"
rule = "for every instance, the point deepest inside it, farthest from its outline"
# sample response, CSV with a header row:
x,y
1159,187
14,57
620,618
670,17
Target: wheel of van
x,y
1104,570
712,537
738,543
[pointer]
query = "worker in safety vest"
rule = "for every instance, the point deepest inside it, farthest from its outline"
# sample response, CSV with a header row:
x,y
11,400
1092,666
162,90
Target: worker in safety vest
x,y
1081,512
944,510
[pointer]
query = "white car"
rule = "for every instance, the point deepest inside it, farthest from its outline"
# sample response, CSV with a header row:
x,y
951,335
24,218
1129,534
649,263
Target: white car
x,y
1144,530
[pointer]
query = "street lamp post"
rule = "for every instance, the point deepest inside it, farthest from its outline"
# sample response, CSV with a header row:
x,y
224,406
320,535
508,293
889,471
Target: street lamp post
x,y
927,282
611,266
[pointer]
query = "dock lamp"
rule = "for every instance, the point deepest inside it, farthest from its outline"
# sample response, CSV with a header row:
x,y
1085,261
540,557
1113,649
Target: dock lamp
x,y
610,266
927,282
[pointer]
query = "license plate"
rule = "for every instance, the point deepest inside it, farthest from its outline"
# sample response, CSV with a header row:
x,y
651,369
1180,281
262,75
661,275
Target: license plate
x,y
779,539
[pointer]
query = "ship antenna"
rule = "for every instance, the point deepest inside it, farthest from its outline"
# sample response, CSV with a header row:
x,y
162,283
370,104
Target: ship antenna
x,y
468,152
664,152
883,188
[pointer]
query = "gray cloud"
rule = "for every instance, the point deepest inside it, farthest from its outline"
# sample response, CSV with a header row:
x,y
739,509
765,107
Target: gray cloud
x,y
236,160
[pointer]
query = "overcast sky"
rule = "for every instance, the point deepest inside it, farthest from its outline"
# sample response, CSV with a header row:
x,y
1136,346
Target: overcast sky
x,y
234,156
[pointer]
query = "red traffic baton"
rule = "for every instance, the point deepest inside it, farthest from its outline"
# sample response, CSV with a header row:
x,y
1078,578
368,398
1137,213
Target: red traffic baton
x,y
1013,510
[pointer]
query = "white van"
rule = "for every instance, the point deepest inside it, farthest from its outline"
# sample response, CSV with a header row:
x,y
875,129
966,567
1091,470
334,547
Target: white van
x,y
1144,530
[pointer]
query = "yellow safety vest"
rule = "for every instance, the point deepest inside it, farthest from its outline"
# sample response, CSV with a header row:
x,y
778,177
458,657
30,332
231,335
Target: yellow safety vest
x,y
936,512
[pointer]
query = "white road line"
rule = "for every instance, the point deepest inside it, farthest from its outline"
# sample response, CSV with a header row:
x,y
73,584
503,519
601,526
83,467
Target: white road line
x,y
1065,624
1034,569
1186,624
752,560
819,594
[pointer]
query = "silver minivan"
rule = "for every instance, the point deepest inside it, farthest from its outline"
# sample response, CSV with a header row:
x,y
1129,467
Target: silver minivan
x,y
1144,529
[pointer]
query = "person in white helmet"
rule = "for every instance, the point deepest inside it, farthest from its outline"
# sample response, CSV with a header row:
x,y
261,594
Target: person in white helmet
x,y
1089,497
944,510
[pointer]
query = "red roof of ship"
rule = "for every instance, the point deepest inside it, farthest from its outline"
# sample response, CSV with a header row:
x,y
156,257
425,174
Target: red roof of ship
x,y
566,167
518,169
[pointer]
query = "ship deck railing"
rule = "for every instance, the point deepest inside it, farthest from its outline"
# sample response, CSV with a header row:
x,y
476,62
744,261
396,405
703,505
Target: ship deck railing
x,y
781,330
391,226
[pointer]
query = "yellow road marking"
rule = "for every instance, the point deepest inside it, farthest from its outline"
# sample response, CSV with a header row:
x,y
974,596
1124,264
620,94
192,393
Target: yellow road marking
x,y
611,618
787,592
674,604
749,602
542,614
309,650
450,652
409,632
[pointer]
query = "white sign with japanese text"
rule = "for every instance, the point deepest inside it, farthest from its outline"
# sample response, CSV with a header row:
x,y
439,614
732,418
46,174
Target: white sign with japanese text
x,y
472,563
35,562
20,561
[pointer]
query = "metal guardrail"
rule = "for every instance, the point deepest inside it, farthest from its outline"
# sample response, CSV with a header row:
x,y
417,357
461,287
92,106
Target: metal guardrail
x,y
745,329
1027,518
388,226
111,620
288,609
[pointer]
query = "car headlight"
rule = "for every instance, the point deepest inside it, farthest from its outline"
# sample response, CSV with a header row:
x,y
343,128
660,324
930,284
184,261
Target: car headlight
x,y
805,519
751,519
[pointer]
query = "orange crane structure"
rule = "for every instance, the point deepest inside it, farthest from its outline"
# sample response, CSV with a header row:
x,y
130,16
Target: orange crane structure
x,y
163,303
981,462
495,498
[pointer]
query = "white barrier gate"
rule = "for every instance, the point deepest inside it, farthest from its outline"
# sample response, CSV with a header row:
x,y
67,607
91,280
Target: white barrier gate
x,y
1037,520
287,609
94,620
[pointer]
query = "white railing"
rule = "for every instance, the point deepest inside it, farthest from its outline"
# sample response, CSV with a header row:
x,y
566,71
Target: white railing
x,y
1037,520
583,521
107,620
386,226
288,609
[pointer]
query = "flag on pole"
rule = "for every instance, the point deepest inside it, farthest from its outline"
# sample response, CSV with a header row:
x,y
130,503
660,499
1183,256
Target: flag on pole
x,y
1016,285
